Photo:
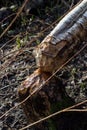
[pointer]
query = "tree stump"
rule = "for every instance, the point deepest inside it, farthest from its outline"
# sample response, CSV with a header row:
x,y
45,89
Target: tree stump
x,y
51,98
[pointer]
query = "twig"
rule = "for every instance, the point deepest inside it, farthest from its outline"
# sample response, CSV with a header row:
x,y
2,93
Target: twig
x,y
7,86
17,15
65,3
7,17
77,110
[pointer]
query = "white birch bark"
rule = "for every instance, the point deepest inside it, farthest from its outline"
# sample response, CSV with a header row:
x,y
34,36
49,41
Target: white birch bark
x,y
62,42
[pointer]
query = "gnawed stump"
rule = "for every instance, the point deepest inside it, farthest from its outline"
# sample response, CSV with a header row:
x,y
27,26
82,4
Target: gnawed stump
x,y
51,54
51,98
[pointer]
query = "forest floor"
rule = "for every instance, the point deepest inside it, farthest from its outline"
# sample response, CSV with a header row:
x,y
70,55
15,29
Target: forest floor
x,y
17,61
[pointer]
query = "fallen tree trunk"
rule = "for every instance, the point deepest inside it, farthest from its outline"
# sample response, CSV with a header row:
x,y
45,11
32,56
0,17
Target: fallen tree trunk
x,y
64,40
54,50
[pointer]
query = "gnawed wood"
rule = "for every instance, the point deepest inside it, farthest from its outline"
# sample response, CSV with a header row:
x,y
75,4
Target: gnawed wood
x,y
54,50
51,98
64,40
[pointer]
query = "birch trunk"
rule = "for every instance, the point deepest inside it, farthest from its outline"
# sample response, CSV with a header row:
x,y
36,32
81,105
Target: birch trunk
x,y
64,40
